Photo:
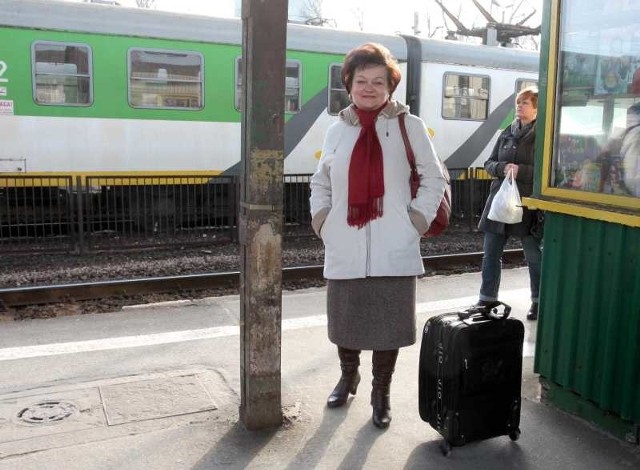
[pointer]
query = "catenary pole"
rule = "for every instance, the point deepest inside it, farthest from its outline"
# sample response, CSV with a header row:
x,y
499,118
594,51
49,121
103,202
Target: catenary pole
x,y
264,31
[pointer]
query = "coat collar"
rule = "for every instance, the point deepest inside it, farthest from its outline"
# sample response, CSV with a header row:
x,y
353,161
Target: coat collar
x,y
391,110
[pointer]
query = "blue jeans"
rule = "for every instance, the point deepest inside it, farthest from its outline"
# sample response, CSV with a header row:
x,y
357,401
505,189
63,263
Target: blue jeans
x,y
492,264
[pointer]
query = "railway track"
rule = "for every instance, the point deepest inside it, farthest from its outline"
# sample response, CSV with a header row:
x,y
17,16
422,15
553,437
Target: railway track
x,y
40,295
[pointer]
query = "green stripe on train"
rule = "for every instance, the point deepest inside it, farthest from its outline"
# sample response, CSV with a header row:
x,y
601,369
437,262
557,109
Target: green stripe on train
x,y
109,59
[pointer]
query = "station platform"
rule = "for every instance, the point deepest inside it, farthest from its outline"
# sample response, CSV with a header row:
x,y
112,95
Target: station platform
x,y
158,387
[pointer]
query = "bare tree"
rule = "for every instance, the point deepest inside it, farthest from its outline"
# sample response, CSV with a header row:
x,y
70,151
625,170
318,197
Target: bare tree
x,y
146,3
425,25
314,15
358,13
531,43
432,29
358,9
451,27
313,9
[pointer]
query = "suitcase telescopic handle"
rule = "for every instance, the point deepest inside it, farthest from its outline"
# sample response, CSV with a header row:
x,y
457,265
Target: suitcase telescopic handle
x,y
482,313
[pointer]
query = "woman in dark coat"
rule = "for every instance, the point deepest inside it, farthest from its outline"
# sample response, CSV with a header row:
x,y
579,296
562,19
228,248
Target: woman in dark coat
x,y
514,151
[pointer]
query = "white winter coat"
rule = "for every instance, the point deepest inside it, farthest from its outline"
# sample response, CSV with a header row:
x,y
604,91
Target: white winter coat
x,y
388,245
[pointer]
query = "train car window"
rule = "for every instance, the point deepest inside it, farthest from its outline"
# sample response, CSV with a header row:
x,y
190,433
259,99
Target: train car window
x,y
292,89
522,83
61,74
292,93
161,79
597,117
465,97
338,97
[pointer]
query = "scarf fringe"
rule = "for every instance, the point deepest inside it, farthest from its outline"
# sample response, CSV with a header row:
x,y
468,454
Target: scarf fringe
x,y
359,215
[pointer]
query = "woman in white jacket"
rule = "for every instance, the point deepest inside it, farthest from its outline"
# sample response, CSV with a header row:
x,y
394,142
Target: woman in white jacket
x,y
362,208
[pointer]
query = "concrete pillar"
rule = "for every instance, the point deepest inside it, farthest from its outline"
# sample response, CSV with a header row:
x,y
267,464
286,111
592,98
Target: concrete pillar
x,y
261,220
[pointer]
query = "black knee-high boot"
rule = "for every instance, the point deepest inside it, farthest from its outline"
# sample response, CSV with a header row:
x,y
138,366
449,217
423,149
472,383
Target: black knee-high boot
x,y
348,383
384,363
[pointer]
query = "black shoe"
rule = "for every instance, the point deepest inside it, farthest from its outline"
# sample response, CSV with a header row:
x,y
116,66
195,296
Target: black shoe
x,y
348,384
349,380
383,365
532,314
381,416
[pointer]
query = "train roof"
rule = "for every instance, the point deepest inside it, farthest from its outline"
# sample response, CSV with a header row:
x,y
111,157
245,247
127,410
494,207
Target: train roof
x,y
136,22
464,53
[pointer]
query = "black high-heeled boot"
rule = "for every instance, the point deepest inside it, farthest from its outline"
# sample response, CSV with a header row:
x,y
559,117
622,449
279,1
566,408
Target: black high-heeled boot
x,y
384,363
348,383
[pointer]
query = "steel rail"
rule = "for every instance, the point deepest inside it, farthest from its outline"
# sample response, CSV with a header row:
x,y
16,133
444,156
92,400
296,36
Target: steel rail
x,y
37,295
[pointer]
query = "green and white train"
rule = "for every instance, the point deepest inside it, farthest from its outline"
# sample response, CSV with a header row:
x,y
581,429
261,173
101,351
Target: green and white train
x,y
87,90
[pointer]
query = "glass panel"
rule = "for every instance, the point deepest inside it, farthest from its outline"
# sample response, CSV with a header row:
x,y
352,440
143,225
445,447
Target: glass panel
x,y
465,97
61,74
597,146
161,79
338,97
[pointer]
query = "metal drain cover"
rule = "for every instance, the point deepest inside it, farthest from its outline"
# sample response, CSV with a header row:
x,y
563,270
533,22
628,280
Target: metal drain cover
x,y
47,412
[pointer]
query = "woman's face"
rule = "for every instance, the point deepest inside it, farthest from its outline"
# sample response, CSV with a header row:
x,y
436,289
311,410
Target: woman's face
x,y
525,110
370,87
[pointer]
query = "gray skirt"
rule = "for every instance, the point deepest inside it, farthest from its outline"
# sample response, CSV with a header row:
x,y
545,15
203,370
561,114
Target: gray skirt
x,y
374,313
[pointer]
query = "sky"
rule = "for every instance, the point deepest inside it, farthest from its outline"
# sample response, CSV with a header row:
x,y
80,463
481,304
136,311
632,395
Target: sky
x,y
377,17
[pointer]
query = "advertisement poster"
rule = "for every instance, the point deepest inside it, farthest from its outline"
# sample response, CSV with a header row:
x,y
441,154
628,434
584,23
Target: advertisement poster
x,y
615,74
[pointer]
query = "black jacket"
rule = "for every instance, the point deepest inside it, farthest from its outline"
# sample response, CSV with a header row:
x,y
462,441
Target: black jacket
x,y
511,148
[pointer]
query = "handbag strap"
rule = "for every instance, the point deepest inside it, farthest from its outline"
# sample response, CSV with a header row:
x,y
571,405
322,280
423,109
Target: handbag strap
x,y
411,156
407,144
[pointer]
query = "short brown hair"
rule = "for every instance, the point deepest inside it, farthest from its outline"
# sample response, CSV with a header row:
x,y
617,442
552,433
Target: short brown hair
x,y
367,55
530,92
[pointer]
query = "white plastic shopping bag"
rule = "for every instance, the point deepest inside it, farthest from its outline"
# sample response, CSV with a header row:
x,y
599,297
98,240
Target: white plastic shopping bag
x,y
506,206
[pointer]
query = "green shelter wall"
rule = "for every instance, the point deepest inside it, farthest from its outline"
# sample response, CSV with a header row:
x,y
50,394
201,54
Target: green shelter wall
x,y
589,329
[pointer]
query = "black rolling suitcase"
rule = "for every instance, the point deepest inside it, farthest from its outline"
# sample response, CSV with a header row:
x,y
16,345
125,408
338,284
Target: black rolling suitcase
x,y
470,375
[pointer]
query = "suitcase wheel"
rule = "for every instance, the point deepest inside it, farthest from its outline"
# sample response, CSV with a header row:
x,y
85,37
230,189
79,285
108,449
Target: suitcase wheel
x,y
445,447
514,435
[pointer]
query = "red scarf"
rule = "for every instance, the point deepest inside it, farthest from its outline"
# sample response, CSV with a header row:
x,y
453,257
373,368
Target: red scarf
x,y
366,179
